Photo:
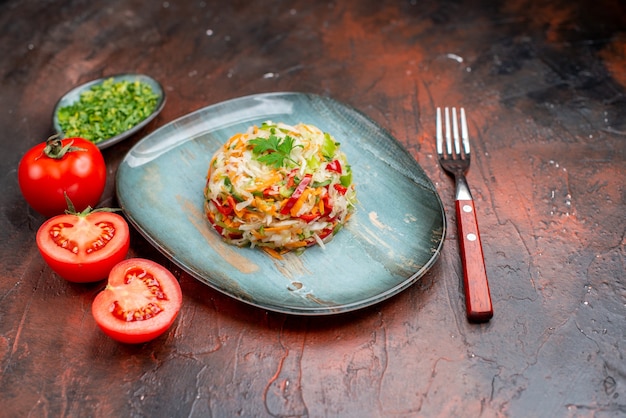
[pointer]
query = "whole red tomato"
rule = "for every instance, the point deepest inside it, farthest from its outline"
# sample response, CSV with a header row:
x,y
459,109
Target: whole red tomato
x,y
84,247
140,301
52,169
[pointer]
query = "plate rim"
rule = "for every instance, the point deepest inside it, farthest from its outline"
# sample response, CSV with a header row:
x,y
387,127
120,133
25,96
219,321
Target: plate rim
x,y
120,76
285,308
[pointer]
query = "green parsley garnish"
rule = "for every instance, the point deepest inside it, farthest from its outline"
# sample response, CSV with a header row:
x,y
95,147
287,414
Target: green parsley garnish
x,y
107,109
273,151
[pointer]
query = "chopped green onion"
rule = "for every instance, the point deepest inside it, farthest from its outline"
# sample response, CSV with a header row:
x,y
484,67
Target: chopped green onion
x,y
107,110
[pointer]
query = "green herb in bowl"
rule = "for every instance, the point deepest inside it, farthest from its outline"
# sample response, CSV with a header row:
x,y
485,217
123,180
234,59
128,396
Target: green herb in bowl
x,y
108,109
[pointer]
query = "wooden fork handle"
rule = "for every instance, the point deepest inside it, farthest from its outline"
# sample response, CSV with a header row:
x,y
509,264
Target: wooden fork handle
x,y
477,295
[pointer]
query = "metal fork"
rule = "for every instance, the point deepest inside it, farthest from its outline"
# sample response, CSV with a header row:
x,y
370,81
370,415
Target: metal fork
x,y
454,157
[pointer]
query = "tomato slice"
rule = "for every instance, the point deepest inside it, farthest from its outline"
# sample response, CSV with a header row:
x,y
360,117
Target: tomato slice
x,y
84,247
140,302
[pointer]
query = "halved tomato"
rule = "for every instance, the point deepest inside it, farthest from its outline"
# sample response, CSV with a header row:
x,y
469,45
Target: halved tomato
x,y
84,247
140,302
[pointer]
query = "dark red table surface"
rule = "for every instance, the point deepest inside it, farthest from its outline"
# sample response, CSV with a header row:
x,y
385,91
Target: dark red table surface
x,y
544,84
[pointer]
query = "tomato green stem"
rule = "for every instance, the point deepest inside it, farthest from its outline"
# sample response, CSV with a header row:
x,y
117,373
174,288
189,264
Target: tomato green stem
x,y
71,210
55,149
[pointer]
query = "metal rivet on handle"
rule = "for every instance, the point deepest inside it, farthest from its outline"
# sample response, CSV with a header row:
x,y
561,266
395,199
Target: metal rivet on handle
x,y
467,208
471,237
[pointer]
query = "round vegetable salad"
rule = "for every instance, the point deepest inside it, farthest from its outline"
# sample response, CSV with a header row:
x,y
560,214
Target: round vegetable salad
x,y
280,188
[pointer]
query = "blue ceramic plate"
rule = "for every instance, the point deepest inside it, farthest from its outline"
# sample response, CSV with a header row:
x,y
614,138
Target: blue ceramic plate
x,y
393,238
73,96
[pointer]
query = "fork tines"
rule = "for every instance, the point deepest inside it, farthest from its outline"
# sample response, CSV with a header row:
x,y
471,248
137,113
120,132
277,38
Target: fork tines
x,y
452,133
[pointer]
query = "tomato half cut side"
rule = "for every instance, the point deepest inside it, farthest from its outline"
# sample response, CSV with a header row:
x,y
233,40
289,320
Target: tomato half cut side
x,y
84,247
140,302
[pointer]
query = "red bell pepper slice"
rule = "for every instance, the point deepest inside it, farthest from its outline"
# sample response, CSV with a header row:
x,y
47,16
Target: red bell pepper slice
x,y
327,206
325,232
224,210
296,194
211,219
308,217
334,165
290,178
341,189
231,202
270,192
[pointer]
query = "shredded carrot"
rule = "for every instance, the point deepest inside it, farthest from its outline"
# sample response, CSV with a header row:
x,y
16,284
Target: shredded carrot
x,y
296,244
236,152
229,223
298,205
262,206
277,228
210,217
238,213
273,253
275,178
233,139
272,210
250,216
